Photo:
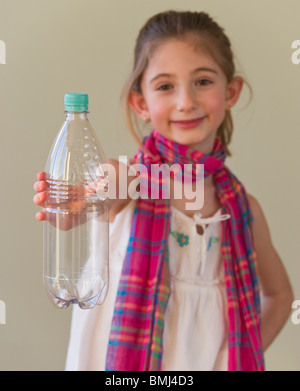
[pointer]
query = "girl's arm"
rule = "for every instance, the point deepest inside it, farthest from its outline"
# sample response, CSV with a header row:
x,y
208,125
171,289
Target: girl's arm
x,y
276,290
118,173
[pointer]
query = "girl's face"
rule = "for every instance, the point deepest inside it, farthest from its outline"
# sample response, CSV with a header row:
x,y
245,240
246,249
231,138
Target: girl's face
x,y
185,94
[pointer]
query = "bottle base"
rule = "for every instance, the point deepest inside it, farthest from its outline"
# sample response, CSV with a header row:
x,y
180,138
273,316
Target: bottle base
x,y
61,303
62,291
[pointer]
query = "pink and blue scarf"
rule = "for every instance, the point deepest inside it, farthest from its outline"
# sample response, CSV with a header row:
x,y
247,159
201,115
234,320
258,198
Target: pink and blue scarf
x,y
135,342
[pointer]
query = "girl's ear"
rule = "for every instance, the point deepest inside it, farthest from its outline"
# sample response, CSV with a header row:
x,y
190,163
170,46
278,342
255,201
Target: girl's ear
x,y
139,105
234,90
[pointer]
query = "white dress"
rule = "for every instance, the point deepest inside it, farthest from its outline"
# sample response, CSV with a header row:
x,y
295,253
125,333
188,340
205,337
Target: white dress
x,y
195,331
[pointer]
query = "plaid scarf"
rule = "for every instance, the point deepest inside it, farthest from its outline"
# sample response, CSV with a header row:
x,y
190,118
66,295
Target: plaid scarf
x,y
135,341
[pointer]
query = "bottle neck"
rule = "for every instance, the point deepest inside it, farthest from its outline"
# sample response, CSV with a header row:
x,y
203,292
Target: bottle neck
x,y
73,115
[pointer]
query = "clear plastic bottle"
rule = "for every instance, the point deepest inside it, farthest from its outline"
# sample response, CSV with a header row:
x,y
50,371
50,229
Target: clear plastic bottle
x,y
76,225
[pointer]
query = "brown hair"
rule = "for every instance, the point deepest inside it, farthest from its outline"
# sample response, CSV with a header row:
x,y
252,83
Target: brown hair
x,y
173,24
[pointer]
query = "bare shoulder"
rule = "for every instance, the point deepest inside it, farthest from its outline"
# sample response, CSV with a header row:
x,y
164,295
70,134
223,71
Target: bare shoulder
x,y
260,227
266,253
255,206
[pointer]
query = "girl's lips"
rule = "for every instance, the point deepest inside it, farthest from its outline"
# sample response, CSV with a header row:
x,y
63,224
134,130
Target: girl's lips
x,y
188,124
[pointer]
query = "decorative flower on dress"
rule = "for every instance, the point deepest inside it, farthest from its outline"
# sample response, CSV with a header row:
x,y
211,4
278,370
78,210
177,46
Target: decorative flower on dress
x,y
212,239
182,239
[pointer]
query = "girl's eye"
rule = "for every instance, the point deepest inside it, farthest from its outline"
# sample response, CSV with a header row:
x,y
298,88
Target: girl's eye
x,y
203,82
164,87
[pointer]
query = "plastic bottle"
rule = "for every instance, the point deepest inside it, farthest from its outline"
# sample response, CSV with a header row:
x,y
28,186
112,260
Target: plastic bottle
x,y
76,226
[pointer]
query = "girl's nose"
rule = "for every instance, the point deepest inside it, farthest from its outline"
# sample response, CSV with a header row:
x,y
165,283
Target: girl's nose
x,y
186,100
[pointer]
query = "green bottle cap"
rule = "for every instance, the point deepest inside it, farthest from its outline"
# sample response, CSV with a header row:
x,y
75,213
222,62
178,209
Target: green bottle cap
x,y
76,102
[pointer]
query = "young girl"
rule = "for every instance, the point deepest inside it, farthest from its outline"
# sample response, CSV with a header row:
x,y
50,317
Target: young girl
x,y
189,289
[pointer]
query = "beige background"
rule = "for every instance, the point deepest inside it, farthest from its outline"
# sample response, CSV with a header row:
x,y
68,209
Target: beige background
x,y
62,46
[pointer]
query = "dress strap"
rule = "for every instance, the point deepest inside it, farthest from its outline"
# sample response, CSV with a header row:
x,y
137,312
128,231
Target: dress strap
x,y
207,220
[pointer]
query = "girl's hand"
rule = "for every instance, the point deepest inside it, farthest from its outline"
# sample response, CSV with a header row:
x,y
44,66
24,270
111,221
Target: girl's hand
x,y
74,207
40,198
115,204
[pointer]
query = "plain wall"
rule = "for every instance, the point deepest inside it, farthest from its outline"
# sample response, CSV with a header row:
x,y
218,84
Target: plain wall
x,y
59,46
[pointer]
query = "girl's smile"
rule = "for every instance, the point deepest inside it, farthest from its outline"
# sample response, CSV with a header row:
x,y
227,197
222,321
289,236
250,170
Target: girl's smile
x,y
188,124
184,93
